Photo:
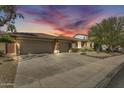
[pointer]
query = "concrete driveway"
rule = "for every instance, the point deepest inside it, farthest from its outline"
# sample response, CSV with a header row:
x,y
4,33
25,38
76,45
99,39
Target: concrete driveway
x,y
31,69
60,70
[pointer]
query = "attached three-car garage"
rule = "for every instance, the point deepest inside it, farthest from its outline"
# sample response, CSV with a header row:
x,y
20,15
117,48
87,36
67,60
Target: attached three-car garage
x,y
34,43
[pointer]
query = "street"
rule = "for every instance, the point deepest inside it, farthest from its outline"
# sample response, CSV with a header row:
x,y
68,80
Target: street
x,y
118,80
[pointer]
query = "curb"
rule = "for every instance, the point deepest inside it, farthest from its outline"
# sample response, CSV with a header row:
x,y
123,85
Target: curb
x,y
103,83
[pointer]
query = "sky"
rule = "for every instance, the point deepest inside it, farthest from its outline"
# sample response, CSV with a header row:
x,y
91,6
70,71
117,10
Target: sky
x,y
67,20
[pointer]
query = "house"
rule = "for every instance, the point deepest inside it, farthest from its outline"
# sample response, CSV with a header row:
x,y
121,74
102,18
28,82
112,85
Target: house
x,y
36,43
83,42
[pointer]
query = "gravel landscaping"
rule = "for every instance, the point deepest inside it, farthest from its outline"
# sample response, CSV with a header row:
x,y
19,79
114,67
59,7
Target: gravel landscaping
x,y
101,55
8,69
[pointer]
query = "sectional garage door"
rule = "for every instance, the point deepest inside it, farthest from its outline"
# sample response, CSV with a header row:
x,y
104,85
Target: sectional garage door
x,y
36,46
64,46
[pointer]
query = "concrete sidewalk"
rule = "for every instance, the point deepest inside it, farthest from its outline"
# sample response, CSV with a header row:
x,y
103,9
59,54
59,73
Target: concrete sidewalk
x,y
84,72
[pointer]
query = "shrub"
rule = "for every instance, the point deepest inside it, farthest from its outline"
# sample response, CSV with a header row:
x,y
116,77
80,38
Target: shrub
x,y
86,50
82,50
6,38
83,53
75,50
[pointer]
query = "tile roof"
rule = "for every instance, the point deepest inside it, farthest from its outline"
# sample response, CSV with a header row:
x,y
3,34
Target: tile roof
x,y
41,35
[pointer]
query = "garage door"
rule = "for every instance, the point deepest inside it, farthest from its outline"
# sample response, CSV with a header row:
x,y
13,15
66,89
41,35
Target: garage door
x,y
36,46
64,46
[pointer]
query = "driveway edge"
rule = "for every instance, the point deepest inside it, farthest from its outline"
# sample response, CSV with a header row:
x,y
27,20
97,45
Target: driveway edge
x,y
103,83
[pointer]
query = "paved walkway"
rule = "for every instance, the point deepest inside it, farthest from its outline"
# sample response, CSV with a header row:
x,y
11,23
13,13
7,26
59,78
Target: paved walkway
x,y
64,70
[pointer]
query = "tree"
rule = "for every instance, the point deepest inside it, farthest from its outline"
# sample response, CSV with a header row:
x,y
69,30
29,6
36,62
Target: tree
x,y
11,27
8,14
109,32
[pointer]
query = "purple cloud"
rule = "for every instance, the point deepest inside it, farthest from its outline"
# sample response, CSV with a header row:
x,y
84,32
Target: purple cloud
x,y
63,18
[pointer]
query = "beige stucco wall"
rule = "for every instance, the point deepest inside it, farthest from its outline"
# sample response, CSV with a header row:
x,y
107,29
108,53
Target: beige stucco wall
x,y
11,48
88,44
56,47
83,44
3,47
79,44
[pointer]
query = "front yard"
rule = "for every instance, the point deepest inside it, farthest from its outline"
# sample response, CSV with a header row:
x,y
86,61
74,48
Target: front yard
x,y
41,66
64,70
100,55
8,69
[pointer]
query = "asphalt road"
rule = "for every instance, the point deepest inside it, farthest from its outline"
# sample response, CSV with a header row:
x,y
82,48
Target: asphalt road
x,y
118,80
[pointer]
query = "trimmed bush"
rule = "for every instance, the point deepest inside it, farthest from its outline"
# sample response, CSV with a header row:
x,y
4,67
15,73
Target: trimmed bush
x,y
86,49
83,53
75,50
81,50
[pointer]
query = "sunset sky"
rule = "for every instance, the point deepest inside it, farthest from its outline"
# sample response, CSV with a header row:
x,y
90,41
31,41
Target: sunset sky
x,y
63,20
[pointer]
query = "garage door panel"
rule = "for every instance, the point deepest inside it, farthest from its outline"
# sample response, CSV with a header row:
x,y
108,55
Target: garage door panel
x,y
36,46
64,46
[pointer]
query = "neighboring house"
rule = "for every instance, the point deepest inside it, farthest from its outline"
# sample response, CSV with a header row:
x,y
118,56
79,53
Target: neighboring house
x,y
83,41
34,43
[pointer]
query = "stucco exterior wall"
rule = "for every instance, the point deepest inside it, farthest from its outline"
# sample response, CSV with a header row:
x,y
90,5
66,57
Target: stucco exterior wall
x,y
89,45
3,47
11,48
79,45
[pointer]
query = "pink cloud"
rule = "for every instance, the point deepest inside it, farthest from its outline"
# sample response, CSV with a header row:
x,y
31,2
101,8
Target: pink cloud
x,y
60,22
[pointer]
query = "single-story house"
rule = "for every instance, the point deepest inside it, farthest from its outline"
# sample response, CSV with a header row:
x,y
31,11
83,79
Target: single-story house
x,y
34,43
